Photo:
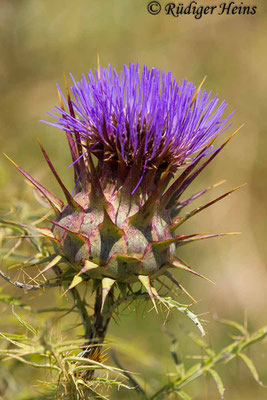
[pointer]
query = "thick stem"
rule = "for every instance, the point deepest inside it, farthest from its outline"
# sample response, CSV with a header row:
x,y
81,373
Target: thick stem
x,y
95,327
101,317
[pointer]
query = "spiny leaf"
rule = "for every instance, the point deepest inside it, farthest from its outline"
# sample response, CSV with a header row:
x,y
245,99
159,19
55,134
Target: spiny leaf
x,y
183,203
179,186
67,194
233,324
28,326
80,159
55,203
203,237
254,338
162,245
218,381
71,142
185,310
182,395
46,232
251,367
176,224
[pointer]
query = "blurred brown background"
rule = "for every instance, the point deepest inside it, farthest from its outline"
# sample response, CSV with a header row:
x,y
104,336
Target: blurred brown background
x,y
42,39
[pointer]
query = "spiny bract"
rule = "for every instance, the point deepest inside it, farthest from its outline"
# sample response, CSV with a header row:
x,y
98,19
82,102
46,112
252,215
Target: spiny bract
x,y
128,135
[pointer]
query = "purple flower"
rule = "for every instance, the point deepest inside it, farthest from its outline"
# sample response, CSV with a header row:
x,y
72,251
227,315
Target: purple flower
x,y
119,117
120,222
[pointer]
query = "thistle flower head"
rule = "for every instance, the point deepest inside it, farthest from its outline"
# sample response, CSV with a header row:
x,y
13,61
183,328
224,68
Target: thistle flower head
x,y
150,117
120,223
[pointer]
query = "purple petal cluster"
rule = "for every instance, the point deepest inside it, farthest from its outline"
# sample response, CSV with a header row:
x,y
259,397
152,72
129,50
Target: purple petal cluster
x,y
119,113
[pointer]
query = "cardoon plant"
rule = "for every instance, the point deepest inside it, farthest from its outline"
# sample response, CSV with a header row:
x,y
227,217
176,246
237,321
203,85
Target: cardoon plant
x,y
137,141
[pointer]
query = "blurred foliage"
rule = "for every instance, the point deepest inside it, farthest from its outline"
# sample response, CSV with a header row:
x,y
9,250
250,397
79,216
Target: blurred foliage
x,y
40,40
62,364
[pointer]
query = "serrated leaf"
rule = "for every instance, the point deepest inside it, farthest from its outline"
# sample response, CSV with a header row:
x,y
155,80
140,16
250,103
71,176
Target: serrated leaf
x,y
218,382
251,367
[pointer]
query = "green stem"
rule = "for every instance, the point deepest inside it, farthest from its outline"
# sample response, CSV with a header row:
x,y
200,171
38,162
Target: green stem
x,y
225,355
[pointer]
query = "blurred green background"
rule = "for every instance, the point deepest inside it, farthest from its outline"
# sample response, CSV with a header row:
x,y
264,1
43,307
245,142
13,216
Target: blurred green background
x,y
43,39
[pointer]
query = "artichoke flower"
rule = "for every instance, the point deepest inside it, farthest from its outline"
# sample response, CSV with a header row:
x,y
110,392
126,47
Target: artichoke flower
x,y
137,141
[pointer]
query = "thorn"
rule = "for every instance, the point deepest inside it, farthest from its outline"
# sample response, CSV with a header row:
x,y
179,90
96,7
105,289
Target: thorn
x,y
174,280
54,202
183,181
80,236
198,89
107,284
201,208
12,161
145,280
67,194
88,266
177,264
186,202
208,236
52,263
77,279
98,66
235,132
60,99
161,245
81,163
218,184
